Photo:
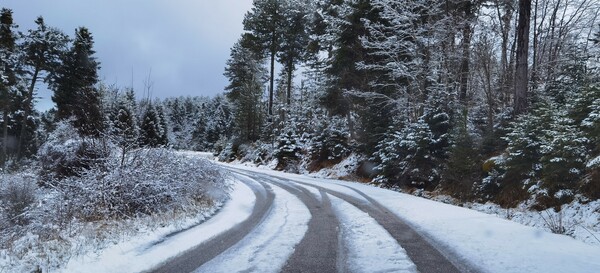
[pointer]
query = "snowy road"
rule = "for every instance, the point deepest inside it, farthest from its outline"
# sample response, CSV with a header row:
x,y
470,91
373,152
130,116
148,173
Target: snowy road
x,y
278,222
302,227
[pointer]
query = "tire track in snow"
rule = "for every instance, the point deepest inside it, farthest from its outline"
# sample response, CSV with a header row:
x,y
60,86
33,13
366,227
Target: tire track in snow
x,y
424,255
319,249
369,247
270,244
195,257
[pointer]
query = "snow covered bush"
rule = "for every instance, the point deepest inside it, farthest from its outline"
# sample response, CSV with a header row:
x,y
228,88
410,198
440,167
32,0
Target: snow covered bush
x,y
258,153
17,195
66,153
406,158
44,227
151,181
328,147
287,152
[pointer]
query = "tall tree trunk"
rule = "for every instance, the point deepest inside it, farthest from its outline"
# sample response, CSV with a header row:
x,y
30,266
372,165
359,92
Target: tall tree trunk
x,y
27,111
505,72
534,77
271,78
464,66
290,73
521,75
5,133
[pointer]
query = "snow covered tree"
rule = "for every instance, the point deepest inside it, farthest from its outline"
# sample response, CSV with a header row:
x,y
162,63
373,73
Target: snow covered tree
x,y
406,159
42,49
294,41
75,93
346,26
265,25
287,151
123,123
330,144
8,73
245,74
151,133
462,170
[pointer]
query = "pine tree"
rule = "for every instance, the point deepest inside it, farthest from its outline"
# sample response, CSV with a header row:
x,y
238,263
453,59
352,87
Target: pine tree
x,y
42,49
8,73
163,126
406,158
124,125
150,131
348,51
245,73
264,23
462,170
75,93
294,41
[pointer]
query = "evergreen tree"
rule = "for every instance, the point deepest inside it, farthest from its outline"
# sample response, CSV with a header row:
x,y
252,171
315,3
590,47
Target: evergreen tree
x,y
150,128
406,159
348,51
245,74
124,125
462,170
8,73
163,126
264,23
42,49
294,41
75,93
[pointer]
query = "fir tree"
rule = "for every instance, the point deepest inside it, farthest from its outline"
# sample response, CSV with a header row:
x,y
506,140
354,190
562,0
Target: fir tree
x,y
8,73
42,49
150,128
264,23
75,93
245,74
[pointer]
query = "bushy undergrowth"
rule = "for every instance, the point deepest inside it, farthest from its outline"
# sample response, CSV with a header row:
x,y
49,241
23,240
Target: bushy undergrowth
x,y
149,181
45,226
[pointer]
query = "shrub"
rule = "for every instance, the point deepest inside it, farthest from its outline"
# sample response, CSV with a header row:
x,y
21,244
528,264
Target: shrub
x,y
67,154
17,194
330,146
151,181
287,152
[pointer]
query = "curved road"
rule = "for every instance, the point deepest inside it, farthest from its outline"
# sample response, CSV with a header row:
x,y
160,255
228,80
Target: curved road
x,y
321,249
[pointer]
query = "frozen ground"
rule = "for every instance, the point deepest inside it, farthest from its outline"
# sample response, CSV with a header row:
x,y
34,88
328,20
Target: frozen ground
x,y
148,250
482,241
490,243
580,221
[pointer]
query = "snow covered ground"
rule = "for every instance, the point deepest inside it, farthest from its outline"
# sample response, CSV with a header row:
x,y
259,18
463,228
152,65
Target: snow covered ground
x,y
368,247
269,246
148,250
486,241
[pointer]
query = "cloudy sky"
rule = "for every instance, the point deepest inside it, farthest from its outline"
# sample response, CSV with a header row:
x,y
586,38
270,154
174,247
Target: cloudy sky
x,y
181,44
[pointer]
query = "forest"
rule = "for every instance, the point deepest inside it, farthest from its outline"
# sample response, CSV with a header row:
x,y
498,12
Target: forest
x,y
482,100
495,100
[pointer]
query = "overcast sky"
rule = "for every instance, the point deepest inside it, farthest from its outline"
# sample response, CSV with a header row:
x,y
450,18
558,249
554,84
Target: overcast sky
x,y
185,43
